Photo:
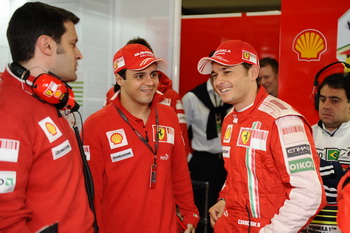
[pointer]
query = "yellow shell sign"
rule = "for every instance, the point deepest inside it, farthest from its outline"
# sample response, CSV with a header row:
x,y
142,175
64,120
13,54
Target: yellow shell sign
x,y
51,128
309,45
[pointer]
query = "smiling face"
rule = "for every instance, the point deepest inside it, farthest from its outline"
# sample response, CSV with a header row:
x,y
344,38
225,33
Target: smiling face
x,y
269,80
139,87
334,108
235,84
67,55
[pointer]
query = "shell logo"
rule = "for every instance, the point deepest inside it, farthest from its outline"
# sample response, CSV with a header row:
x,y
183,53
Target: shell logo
x,y
309,45
228,133
51,128
116,138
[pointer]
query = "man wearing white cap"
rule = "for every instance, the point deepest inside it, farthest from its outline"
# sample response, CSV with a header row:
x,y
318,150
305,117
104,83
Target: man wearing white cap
x,y
137,154
273,183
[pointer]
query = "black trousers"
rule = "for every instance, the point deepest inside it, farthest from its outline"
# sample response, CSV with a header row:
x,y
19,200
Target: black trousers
x,y
208,167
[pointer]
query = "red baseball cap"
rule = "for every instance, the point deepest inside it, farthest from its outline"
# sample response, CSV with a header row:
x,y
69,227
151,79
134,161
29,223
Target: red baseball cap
x,y
136,57
229,53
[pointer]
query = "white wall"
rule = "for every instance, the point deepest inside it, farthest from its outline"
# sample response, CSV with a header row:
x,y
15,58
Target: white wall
x,y
105,26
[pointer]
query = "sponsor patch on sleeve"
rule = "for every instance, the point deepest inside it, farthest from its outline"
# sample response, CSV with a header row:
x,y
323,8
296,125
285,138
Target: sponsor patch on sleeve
x,y
179,105
9,150
166,101
117,138
50,129
293,134
297,150
165,134
121,155
61,150
7,181
301,165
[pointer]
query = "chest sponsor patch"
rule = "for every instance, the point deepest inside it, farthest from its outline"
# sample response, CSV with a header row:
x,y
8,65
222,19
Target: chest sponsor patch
x,y
121,155
182,118
166,101
228,133
226,151
117,138
87,152
298,150
293,134
61,150
7,181
165,134
9,150
253,138
50,129
301,165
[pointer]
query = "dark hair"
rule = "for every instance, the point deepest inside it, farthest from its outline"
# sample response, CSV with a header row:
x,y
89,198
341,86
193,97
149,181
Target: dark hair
x,y
139,40
247,66
269,61
32,20
337,81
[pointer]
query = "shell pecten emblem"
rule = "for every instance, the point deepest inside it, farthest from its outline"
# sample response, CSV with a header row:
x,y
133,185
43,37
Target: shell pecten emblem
x,y
116,138
309,45
51,128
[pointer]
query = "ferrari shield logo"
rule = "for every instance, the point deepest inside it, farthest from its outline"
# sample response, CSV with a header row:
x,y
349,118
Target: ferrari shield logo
x,y
245,136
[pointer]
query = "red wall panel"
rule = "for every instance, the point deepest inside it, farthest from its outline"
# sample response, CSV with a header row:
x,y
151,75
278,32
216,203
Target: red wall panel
x,y
199,36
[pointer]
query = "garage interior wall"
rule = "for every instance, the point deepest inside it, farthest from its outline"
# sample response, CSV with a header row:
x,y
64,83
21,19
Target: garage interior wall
x,y
105,26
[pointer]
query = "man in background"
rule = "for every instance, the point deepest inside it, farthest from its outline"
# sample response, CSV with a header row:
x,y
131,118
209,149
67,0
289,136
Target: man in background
x,y
268,75
332,137
205,112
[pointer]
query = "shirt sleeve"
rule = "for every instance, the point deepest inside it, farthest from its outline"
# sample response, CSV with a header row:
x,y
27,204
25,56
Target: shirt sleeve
x,y
15,164
182,185
298,164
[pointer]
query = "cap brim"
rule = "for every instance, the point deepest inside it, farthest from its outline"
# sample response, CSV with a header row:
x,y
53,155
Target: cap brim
x,y
205,64
161,64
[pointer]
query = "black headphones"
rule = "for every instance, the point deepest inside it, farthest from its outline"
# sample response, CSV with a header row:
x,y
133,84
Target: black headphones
x,y
316,83
48,88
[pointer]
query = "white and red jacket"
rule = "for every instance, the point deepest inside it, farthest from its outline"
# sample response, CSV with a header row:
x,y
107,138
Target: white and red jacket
x,y
41,178
121,166
273,182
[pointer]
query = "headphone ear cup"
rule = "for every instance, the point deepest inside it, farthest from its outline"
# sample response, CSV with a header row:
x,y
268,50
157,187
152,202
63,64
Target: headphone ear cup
x,y
50,89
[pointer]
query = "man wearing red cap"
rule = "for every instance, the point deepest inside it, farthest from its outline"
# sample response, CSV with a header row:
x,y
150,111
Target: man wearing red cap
x,y
273,183
137,154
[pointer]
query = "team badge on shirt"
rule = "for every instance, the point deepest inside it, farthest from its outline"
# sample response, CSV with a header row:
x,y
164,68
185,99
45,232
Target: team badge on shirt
x,y
50,129
7,181
61,150
253,138
293,134
117,138
9,150
228,133
165,134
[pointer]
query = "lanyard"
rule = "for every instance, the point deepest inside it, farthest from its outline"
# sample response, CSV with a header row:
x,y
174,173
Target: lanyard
x,y
145,141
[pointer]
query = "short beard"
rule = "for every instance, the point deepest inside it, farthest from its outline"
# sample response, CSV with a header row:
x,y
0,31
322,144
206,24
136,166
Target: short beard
x,y
60,49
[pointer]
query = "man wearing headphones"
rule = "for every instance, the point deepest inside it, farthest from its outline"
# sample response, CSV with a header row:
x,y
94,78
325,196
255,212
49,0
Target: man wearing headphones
x,y
332,140
41,180
137,153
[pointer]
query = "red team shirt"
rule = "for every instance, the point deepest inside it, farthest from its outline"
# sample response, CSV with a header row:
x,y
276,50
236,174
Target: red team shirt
x,y
121,165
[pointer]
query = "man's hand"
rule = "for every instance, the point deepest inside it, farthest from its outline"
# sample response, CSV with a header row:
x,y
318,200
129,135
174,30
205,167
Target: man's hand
x,y
216,211
190,229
